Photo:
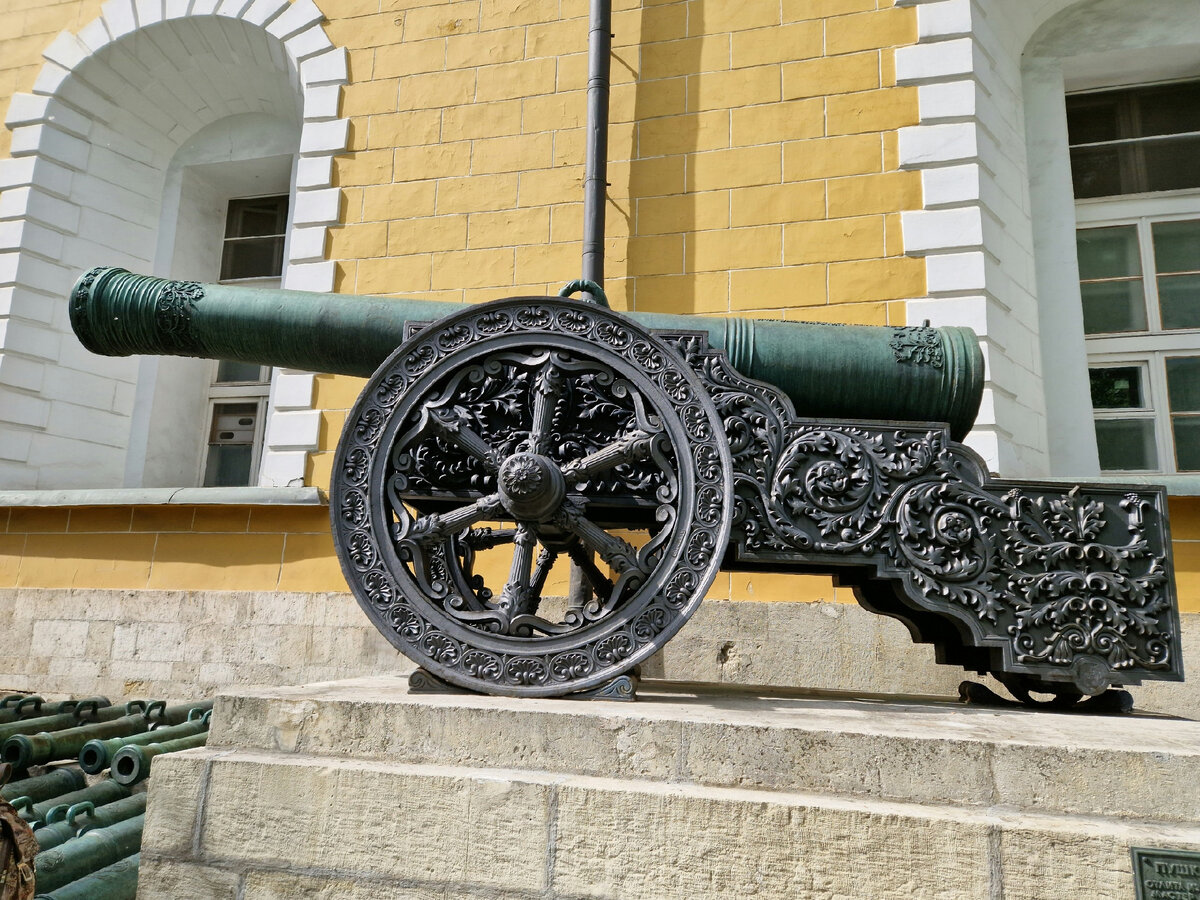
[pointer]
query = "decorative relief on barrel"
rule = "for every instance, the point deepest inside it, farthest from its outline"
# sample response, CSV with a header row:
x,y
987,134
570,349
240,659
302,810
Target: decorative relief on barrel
x,y
173,309
919,345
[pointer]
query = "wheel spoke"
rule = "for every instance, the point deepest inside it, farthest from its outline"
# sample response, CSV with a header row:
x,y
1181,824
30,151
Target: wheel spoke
x,y
601,584
548,387
514,599
632,447
619,554
452,427
435,526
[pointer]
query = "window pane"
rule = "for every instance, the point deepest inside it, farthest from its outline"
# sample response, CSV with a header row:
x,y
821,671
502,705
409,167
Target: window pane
x,y
1117,387
1183,383
1126,444
1113,306
256,216
1096,172
1169,108
231,371
233,423
1108,252
1176,246
1093,117
1187,442
1172,164
228,465
1179,301
252,258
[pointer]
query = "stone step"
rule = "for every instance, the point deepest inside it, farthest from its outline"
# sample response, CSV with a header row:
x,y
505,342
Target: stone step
x,y
920,750
360,791
276,826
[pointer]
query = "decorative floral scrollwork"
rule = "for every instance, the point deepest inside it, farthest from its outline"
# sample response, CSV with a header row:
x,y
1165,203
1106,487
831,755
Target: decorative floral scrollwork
x,y
540,430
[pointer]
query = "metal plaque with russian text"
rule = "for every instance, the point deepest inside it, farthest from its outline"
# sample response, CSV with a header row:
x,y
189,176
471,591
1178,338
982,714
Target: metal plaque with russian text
x,y
1166,874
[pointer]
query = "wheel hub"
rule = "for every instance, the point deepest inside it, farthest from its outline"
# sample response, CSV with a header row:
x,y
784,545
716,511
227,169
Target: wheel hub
x,y
531,486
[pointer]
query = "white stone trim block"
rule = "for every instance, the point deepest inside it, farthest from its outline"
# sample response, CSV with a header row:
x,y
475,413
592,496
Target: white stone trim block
x,y
308,244
282,468
938,229
293,390
119,17
325,137
930,62
943,19
309,276
923,145
317,207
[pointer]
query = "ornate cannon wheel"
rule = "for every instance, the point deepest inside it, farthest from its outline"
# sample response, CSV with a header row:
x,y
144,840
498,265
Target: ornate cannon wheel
x,y
539,429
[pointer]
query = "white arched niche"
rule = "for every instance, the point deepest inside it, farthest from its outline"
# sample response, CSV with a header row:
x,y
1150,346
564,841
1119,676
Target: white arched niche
x,y
242,156
1088,45
134,126
997,217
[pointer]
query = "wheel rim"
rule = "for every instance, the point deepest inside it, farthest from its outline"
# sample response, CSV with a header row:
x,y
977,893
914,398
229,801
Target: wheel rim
x,y
563,423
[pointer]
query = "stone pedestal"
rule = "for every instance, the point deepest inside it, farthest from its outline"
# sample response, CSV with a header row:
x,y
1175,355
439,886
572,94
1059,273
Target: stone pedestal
x,y
357,789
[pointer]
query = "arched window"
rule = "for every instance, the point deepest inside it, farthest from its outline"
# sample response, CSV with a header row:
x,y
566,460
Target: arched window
x,y
139,131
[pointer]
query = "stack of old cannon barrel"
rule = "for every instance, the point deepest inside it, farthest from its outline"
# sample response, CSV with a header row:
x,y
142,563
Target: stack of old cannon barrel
x,y
87,824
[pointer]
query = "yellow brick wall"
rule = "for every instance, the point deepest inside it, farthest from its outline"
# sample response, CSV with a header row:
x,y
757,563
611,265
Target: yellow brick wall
x,y
232,548
29,25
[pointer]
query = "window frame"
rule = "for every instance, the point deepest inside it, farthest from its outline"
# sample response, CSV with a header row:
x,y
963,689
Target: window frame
x,y
1154,346
257,392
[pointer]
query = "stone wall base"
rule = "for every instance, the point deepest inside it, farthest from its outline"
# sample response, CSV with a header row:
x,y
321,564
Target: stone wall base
x,y
184,644
358,790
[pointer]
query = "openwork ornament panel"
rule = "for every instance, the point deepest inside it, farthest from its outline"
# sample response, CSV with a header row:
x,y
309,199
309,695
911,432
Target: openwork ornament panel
x,y
531,426
1068,585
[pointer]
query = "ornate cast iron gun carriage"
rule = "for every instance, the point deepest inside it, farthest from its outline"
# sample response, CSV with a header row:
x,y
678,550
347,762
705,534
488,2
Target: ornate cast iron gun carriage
x,y
653,450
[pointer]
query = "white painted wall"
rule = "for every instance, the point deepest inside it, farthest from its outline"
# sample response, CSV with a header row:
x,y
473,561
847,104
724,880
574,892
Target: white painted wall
x,y
997,227
92,150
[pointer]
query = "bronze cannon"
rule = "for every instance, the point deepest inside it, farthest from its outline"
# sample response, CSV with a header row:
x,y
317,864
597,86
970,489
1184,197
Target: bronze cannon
x,y
653,450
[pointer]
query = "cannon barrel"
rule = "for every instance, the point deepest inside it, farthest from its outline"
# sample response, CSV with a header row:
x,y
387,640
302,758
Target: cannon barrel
x,y
96,754
23,750
87,853
828,371
132,763
44,787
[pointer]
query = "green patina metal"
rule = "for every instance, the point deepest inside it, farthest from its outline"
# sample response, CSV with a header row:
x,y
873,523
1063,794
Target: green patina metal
x,y
44,787
96,755
80,716
55,809
132,764
828,371
115,882
87,853
23,750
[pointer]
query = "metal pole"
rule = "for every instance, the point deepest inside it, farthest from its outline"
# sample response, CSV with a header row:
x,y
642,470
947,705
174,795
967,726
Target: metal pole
x,y
595,182
595,186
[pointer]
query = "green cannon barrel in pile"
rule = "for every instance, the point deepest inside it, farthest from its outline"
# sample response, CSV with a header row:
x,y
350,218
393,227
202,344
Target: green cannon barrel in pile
x,y
81,715
43,787
84,817
115,882
85,854
97,755
828,371
24,750
132,764
20,706
101,792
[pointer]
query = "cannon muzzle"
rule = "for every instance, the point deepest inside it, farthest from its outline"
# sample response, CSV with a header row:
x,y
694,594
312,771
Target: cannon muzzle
x,y
828,371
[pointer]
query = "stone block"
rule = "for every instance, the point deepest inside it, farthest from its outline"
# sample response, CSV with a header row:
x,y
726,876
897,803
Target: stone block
x,y
833,75
174,800
669,842
160,878
260,810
